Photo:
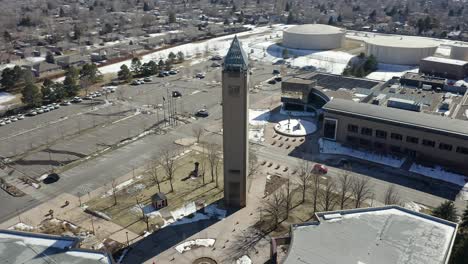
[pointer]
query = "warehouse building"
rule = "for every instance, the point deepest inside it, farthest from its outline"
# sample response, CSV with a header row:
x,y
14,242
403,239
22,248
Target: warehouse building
x,y
445,68
424,137
384,235
400,50
313,37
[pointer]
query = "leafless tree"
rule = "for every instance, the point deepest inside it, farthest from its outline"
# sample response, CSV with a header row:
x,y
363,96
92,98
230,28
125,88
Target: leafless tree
x,y
392,196
305,177
315,183
202,168
273,208
169,165
144,217
198,132
114,191
327,195
253,163
213,160
154,173
344,189
287,197
361,190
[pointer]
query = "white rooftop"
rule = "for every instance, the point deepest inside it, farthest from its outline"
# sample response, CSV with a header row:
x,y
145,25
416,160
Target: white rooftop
x,y
318,29
384,235
402,41
445,60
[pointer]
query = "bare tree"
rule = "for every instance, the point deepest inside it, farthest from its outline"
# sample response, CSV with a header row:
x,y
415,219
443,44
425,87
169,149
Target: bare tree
x,y
198,132
202,168
114,191
168,163
305,176
315,183
253,163
144,217
361,190
328,197
288,197
273,208
344,189
213,160
392,196
154,173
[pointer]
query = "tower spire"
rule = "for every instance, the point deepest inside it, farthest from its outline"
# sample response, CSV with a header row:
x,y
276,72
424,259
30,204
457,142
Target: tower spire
x,y
236,59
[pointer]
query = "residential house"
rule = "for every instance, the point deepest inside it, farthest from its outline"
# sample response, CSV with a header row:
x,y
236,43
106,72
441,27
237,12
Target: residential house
x,y
159,200
72,60
44,68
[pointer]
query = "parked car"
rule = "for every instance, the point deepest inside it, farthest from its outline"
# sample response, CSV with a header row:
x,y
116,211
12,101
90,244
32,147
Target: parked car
x,y
77,99
45,109
216,57
32,113
7,120
278,78
276,71
13,119
173,72
202,113
51,178
147,79
88,97
176,94
39,110
56,105
166,73
65,103
200,75
2,122
319,168
20,117
136,82
272,81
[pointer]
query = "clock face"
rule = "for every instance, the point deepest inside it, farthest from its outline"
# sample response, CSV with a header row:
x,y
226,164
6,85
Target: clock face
x,y
234,90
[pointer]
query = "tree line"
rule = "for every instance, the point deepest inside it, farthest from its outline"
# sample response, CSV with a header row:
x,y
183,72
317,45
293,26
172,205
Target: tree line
x,y
138,69
49,91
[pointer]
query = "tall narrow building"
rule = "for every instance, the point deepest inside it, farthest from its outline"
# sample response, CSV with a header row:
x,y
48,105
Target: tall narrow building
x,y
235,125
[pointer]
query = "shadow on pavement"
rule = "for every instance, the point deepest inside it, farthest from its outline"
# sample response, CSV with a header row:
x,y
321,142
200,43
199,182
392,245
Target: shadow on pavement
x,y
170,236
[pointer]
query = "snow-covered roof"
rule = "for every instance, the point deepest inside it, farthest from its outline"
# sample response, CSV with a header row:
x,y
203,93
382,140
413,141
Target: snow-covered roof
x,y
402,41
311,29
389,234
23,247
445,60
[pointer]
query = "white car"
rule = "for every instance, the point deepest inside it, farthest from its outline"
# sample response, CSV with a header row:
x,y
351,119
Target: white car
x,y
7,120
45,109
39,110
13,119
2,123
20,117
56,105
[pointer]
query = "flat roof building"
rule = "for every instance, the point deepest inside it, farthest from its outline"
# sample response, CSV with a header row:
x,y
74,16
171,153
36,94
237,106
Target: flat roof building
x,y
424,137
23,247
383,235
443,67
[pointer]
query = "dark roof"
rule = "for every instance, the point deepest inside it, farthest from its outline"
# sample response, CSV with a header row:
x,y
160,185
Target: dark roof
x,y
428,122
236,60
159,196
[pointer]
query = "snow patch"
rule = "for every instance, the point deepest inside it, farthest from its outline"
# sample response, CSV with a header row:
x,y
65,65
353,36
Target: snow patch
x,y
439,173
244,260
188,245
259,117
331,147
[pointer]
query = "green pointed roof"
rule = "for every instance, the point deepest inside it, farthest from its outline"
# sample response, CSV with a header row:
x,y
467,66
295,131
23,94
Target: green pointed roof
x,y
236,59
